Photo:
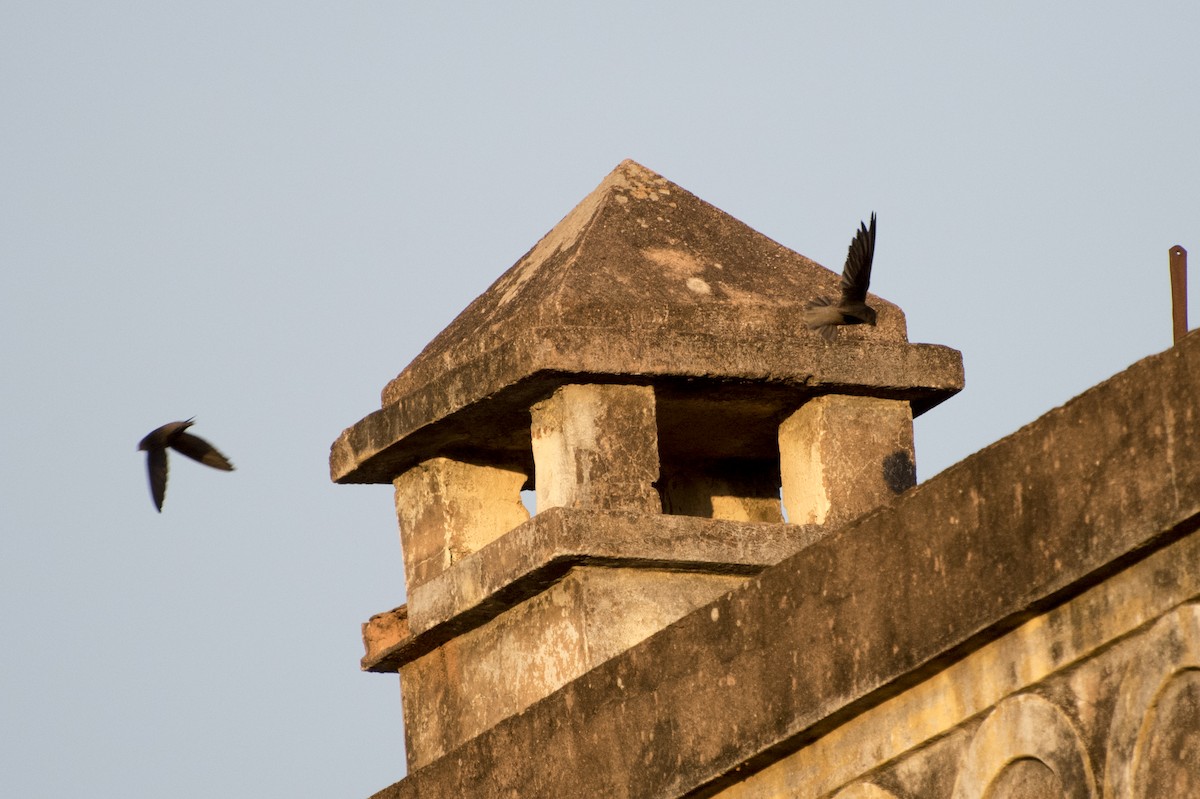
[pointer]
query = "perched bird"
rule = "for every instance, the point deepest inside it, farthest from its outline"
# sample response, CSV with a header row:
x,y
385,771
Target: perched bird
x,y
822,314
175,436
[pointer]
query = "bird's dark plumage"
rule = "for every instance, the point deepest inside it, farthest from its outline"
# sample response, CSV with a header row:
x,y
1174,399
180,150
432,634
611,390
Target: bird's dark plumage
x,y
823,314
175,436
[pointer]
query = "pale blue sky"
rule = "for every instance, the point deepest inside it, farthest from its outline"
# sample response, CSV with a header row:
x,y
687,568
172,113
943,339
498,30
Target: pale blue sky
x,y
257,213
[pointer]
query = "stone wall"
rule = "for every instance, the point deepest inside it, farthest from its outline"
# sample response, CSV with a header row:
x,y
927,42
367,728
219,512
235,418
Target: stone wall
x,y
1098,697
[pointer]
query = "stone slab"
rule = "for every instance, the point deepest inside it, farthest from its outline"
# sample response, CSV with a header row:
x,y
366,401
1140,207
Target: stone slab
x,y
483,406
538,553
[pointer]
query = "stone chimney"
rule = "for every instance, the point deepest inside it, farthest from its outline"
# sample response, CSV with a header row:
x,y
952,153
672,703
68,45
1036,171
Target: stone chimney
x,y
643,370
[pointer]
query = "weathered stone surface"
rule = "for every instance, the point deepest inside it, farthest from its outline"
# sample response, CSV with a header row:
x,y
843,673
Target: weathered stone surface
x,y
1171,764
637,256
475,679
385,631
596,446
1027,748
928,741
542,551
1027,537
843,456
1151,747
643,282
448,509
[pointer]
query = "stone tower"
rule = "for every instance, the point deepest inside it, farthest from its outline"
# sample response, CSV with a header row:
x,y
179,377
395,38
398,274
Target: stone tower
x,y
643,370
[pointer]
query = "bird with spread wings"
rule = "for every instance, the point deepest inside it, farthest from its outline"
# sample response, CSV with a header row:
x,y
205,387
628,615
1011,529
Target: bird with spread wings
x,y
824,314
174,435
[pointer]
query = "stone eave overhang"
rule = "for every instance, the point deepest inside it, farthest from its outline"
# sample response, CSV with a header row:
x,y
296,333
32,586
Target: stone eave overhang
x,y
478,404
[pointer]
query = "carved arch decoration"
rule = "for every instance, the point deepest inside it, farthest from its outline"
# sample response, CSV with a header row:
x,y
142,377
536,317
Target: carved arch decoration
x,y
1152,744
1025,738
864,790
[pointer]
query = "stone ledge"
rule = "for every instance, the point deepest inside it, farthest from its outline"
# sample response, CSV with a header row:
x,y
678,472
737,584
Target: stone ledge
x,y
538,553
386,630
488,398
859,616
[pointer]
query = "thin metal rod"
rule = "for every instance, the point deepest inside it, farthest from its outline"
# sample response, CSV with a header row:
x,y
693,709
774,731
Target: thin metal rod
x,y
1179,292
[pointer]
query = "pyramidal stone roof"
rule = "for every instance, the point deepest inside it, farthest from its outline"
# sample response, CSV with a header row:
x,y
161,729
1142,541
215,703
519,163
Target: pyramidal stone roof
x,y
641,282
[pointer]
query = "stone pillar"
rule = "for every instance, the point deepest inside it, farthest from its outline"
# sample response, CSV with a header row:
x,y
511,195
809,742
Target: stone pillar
x,y
841,456
448,509
595,446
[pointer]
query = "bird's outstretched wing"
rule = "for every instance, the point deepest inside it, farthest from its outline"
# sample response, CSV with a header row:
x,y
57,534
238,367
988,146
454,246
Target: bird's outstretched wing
x,y
856,276
156,465
198,449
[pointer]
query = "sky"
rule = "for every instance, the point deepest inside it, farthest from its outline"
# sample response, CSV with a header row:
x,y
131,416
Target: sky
x,y
257,213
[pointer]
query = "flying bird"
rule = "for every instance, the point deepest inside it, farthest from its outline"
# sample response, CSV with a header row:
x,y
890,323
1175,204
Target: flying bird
x,y
823,314
175,436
